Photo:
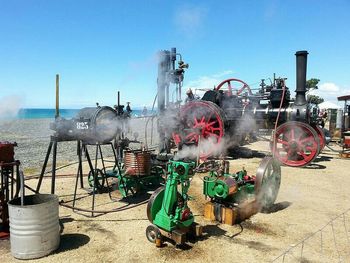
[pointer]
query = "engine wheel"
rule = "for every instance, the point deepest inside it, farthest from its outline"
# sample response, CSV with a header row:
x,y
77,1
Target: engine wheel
x,y
99,179
295,144
155,203
202,124
321,136
239,90
267,182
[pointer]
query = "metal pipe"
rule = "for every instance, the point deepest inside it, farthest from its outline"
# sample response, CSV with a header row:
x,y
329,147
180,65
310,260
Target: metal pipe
x,y
54,158
163,69
301,66
118,103
173,57
21,176
44,166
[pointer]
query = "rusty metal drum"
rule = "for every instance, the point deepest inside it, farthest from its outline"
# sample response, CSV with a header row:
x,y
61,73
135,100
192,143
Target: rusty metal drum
x,y
137,163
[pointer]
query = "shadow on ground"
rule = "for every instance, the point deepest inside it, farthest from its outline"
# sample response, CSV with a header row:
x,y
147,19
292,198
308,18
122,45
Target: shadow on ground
x,y
276,207
323,158
208,231
314,166
72,241
244,152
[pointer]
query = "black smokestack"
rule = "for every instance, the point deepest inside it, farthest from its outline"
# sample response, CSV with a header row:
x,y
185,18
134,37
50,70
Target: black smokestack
x,y
300,98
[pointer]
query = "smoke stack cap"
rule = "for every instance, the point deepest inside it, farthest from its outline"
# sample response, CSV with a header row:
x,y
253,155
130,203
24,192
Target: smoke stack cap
x,y
301,52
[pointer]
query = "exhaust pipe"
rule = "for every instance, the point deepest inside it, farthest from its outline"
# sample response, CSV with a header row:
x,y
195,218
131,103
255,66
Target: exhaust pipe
x,y
301,65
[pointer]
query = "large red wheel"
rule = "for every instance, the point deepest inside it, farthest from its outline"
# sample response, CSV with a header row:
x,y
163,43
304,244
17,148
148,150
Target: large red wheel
x,y
202,125
295,144
242,86
321,136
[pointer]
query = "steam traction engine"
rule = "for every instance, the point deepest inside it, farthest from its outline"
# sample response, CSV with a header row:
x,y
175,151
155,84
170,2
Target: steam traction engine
x,y
224,117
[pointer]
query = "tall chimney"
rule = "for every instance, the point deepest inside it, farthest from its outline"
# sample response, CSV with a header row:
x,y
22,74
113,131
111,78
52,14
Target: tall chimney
x,y
300,98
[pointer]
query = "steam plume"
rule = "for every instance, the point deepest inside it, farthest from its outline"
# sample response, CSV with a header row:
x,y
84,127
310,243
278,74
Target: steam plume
x,y
9,106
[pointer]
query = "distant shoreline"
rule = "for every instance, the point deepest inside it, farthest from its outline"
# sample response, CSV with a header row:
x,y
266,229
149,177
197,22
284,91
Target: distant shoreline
x,y
42,113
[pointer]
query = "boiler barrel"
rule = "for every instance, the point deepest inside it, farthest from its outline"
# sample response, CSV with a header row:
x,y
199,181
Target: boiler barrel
x,y
103,123
91,125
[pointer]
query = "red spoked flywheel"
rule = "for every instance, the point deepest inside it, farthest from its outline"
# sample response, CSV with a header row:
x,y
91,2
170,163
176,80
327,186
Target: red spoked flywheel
x,y
202,125
240,89
295,144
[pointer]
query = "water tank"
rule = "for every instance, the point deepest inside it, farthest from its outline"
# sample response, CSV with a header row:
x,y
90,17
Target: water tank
x,y
91,125
339,123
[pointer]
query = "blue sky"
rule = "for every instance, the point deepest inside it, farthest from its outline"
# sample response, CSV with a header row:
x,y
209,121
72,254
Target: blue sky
x,y
99,47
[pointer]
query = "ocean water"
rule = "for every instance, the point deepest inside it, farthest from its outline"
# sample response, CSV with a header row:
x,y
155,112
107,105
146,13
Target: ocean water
x,y
65,113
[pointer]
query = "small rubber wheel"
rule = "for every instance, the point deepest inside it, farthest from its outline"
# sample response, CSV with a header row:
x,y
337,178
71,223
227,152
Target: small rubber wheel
x,y
152,233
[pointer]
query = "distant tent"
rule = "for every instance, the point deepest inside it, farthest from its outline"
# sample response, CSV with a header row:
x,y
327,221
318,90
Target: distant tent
x,y
328,105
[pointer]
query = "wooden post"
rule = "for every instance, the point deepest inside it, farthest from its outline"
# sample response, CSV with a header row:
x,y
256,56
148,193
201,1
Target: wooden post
x,y
57,96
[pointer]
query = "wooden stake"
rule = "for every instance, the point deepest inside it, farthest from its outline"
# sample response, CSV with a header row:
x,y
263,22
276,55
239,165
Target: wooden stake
x,y
57,96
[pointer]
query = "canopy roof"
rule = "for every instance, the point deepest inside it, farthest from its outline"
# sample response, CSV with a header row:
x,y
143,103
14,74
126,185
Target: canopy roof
x,y
346,97
328,105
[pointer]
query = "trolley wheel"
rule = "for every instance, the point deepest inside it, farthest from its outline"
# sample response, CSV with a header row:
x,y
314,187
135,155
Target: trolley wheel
x,y
239,90
267,182
99,180
153,233
202,124
295,144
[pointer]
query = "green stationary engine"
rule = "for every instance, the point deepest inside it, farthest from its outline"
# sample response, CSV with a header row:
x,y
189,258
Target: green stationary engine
x,y
167,208
224,187
235,197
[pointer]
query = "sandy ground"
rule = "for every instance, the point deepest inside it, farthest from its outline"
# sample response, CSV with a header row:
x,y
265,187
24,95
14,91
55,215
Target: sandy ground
x,y
308,199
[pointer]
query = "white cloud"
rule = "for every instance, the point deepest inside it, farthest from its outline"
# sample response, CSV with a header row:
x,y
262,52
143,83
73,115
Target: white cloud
x,y
189,19
329,87
329,91
223,73
204,83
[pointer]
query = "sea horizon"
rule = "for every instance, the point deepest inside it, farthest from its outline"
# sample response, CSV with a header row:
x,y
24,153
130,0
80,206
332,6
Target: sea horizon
x,y
49,113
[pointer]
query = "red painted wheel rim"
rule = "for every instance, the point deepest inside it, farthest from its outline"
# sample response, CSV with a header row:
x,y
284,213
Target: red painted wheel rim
x,y
321,136
201,120
239,91
296,144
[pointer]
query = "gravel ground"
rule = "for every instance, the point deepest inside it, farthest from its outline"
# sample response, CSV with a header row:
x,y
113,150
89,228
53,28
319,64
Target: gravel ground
x,y
33,138
308,199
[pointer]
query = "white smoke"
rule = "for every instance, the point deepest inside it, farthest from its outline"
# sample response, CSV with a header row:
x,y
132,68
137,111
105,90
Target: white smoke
x,y
189,20
204,83
208,145
9,106
246,124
